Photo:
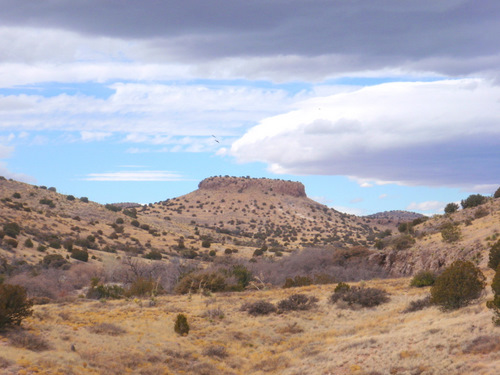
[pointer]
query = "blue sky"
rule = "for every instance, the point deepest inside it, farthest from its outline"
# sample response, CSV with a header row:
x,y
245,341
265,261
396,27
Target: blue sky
x,y
374,106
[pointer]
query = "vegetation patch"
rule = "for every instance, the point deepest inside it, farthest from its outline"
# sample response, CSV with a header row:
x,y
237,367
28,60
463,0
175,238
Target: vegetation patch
x,y
360,296
458,285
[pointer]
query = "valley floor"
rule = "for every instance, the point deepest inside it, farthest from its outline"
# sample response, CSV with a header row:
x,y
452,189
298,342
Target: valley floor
x,y
130,336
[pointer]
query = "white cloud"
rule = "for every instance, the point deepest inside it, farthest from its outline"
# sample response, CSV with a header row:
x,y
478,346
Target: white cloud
x,y
413,133
5,151
94,136
429,206
356,200
382,196
147,112
135,176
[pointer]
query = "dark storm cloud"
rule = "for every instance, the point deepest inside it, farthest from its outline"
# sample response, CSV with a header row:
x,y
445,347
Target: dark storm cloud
x,y
362,34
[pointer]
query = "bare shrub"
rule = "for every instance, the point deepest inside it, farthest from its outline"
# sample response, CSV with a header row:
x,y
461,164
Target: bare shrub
x,y
27,340
259,308
55,283
4,363
194,282
364,297
297,302
218,351
418,305
127,271
291,328
107,329
337,263
214,313
483,345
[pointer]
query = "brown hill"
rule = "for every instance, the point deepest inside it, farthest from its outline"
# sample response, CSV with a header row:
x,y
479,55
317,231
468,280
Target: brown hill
x,y
241,213
240,210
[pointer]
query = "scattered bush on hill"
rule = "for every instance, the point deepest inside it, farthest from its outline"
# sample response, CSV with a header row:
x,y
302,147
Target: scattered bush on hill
x,y
451,208
130,212
473,200
402,242
494,257
112,207
497,193
481,212
495,303
47,202
14,305
53,261
11,229
81,255
153,255
423,278
458,285
450,232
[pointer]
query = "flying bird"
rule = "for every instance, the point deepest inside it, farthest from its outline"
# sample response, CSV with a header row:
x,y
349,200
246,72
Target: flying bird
x,y
215,138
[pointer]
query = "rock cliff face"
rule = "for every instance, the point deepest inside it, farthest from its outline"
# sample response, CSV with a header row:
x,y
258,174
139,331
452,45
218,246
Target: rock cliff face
x,y
243,184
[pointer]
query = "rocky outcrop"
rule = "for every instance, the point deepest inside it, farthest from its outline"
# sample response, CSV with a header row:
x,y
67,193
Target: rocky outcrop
x,y
245,184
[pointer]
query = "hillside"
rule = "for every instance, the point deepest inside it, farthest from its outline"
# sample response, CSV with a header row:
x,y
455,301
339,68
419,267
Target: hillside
x,y
391,219
477,229
241,213
261,211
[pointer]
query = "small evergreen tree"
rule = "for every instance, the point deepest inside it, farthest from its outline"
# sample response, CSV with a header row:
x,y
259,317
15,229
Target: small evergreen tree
x,y
497,193
458,285
495,303
450,232
473,200
423,278
14,305
181,325
494,260
451,208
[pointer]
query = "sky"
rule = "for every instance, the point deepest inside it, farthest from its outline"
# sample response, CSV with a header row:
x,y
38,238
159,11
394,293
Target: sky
x,y
373,105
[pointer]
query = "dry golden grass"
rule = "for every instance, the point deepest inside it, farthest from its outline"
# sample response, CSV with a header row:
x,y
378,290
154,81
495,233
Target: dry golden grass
x,y
129,336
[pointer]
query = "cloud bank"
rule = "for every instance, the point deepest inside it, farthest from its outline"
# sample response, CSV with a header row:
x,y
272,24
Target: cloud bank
x,y
443,133
259,39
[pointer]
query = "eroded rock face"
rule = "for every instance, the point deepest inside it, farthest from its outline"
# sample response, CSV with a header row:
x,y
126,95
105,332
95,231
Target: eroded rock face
x,y
242,184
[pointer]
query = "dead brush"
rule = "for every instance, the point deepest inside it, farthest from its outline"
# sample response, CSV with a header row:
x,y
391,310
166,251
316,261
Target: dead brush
x,y
107,329
27,340
297,302
218,351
